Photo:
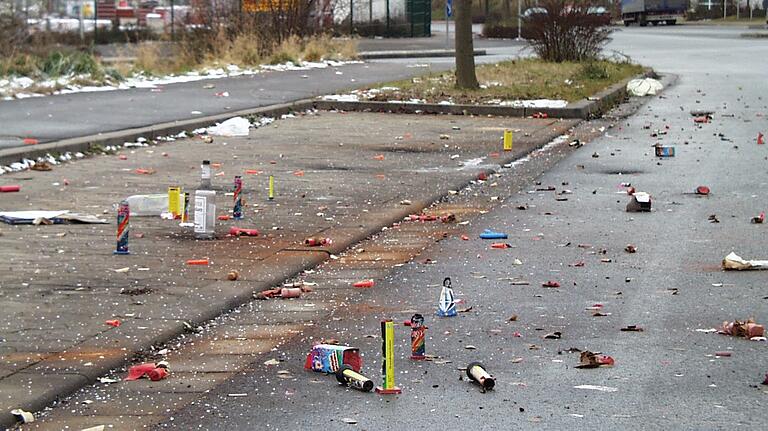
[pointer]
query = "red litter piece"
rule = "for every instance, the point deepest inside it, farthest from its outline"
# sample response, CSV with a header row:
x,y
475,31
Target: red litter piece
x,y
482,176
115,323
606,360
464,238
31,141
158,374
9,189
760,139
138,371
551,283
364,284
237,231
500,245
702,190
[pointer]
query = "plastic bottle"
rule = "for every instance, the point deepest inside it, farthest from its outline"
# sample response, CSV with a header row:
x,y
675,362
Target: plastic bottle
x,y
205,175
147,205
205,214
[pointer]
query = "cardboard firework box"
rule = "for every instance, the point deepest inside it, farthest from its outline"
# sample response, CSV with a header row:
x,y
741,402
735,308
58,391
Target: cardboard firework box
x,y
328,358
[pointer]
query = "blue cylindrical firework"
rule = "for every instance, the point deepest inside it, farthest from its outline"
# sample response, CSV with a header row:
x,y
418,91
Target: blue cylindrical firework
x,y
237,211
123,218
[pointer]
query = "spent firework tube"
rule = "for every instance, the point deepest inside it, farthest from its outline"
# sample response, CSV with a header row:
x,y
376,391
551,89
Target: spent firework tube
x,y
123,218
9,189
418,337
349,377
476,372
237,231
185,210
237,210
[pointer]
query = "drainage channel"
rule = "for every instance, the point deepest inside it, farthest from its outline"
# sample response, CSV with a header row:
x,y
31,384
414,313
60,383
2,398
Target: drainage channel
x,y
249,338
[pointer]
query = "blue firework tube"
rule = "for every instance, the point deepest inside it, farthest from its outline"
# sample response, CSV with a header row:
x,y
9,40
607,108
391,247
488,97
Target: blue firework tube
x,y
123,218
237,211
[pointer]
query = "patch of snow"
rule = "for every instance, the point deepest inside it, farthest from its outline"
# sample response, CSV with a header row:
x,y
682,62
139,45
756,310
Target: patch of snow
x,y
536,103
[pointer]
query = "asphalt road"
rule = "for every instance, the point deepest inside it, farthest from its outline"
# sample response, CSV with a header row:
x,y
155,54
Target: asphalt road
x,y
666,377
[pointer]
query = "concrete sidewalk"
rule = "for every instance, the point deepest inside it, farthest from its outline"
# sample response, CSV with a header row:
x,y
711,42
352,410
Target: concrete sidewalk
x,y
59,282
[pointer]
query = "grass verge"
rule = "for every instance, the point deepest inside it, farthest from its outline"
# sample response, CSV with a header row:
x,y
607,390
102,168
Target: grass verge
x,y
516,80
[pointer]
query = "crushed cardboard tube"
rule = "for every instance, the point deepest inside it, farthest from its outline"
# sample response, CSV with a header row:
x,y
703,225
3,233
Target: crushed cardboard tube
x,y
198,261
734,262
10,189
477,373
23,415
747,329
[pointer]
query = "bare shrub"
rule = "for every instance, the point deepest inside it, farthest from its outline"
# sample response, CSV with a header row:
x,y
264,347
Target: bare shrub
x,y
566,30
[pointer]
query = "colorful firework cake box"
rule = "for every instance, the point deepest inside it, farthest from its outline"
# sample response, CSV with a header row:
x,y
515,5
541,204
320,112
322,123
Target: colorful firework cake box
x,y
327,358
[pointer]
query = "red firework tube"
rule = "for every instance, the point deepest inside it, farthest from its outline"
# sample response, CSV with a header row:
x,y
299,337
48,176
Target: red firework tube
x,y
237,231
364,284
290,292
9,189
198,261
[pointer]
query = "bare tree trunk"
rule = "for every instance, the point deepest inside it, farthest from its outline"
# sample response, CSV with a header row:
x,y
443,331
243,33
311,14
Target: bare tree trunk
x,y
506,11
465,51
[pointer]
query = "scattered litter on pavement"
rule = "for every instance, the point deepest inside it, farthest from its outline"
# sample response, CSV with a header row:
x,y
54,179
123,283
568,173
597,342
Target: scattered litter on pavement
x,y
237,395
349,421
114,323
589,359
760,140
204,261
553,336
644,87
746,329
597,388
723,354
477,373
735,262
317,241
23,415
759,219
630,248
47,217
10,189
363,284
640,202
702,190
550,283
236,231
233,275
153,371
236,126
348,377
664,151
490,234
328,358
631,328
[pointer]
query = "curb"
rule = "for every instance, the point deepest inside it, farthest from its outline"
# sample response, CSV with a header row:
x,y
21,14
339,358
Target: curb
x,y
583,109
86,143
425,53
168,330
